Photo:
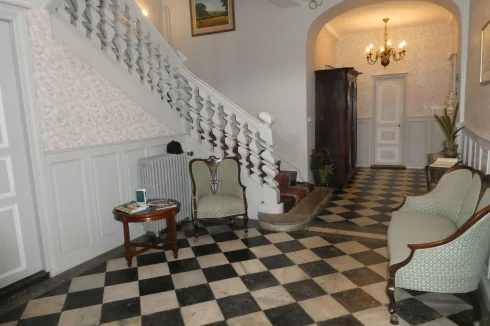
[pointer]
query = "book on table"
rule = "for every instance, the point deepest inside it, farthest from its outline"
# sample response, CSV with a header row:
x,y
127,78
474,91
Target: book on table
x,y
443,162
132,207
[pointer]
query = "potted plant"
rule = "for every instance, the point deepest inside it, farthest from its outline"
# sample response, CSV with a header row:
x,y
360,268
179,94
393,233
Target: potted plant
x,y
447,122
322,166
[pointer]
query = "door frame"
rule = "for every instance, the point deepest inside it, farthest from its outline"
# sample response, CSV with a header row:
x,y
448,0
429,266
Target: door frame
x,y
403,146
16,14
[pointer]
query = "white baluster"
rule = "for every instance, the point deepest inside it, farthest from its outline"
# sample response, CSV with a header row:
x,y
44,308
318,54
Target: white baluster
x,y
131,48
106,27
92,18
209,109
243,140
163,82
173,93
195,107
119,40
66,10
77,10
143,54
230,132
183,98
255,150
154,64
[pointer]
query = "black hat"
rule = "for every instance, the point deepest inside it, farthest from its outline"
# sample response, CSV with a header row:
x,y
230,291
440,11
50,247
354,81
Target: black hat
x,y
174,147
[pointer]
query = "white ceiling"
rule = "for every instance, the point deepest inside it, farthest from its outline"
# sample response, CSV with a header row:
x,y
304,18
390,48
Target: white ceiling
x,y
400,13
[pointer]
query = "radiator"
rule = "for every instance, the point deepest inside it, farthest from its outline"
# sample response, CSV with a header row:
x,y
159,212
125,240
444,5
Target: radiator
x,y
167,176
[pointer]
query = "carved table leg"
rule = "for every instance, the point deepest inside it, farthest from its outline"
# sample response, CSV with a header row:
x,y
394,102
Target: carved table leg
x,y
172,233
127,244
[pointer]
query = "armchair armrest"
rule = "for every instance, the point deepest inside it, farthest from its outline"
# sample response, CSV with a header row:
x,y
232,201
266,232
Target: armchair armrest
x,y
446,198
450,265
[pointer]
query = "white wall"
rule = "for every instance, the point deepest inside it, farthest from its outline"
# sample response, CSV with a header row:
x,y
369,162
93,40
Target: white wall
x,y
426,63
477,115
267,63
326,49
77,105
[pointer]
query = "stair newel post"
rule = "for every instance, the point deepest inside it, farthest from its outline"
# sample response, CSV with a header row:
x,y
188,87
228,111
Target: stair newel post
x,y
163,80
230,132
218,132
153,73
206,125
92,18
106,27
243,140
271,202
131,48
119,41
255,150
195,107
143,54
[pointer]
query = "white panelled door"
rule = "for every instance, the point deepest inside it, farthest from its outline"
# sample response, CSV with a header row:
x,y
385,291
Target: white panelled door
x,y
20,252
389,99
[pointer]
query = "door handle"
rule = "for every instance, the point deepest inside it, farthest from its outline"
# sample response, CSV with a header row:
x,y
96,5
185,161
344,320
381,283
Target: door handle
x,y
399,125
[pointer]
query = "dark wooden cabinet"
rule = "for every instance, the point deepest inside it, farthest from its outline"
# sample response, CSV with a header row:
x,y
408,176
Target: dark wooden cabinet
x,y
336,119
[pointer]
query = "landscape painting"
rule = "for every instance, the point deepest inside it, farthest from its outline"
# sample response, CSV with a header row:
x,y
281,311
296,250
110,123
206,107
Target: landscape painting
x,y
212,16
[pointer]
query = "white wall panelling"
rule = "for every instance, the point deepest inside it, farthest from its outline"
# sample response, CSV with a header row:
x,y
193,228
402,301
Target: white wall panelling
x,y
10,221
422,136
84,185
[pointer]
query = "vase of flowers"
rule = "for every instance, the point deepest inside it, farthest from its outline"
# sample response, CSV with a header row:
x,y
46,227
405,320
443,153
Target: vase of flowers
x,y
322,166
447,122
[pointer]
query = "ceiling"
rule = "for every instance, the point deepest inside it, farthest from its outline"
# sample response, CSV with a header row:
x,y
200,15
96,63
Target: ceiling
x,y
401,14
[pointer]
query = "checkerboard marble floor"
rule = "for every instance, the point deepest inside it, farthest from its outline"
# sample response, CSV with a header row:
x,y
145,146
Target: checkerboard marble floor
x,y
299,278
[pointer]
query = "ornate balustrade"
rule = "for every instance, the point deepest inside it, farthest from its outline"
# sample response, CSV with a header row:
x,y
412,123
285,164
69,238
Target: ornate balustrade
x,y
118,28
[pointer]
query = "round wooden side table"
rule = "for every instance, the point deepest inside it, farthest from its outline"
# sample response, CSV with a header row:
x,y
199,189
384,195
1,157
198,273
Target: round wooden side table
x,y
154,214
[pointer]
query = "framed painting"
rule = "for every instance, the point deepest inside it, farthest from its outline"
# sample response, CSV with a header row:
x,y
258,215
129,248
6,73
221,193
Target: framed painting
x,y
212,16
485,55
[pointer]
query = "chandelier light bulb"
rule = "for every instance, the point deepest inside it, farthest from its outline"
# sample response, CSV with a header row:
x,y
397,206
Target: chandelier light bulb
x,y
371,46
389,43
145,12
368,50
382,49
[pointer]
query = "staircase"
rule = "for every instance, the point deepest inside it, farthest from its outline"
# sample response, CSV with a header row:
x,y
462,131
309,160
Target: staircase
x,y
115,37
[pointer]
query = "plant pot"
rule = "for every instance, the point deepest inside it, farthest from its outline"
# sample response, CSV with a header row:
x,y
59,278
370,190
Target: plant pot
x,y
321,180
450,150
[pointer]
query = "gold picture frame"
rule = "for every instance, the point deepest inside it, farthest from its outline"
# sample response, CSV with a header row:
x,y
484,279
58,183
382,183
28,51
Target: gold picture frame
x,y
212,16
485,55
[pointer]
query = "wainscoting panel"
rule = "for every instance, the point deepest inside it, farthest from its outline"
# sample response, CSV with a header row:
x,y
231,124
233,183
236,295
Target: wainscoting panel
x,y
421,136
84,185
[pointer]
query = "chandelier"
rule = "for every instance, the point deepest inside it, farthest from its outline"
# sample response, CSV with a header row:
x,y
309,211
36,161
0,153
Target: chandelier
x,y
386,51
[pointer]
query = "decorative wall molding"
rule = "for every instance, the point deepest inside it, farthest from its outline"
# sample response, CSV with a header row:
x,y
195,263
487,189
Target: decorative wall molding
x,y
84,186
421,136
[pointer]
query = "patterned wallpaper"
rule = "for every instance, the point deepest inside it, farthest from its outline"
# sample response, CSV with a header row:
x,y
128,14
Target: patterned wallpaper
x,y
78,106
427,64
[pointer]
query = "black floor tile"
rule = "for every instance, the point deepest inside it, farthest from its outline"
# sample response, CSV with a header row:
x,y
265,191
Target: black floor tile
x,y
183,243
204,250
121,276
184,265
290,246
288,315
225,236
415,312
317,268
369,258
256,241
356,300
218,323
47,320
328,251
150,259
118,310
466,318
348,320
101,268
60,289
239,255
374,244
167,318
190,233
304,290
275,262
259,281
156,285
363,276
194,294
219,273
83,299
13,314
238,305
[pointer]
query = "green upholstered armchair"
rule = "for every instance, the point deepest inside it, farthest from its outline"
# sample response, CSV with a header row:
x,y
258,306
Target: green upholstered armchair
x,y
217,191
437,243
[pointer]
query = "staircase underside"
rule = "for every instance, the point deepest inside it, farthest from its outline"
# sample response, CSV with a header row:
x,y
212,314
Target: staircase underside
x,y
300,216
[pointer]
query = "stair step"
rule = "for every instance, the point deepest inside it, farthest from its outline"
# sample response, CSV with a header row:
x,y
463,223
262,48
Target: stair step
x,y
300,216
293,175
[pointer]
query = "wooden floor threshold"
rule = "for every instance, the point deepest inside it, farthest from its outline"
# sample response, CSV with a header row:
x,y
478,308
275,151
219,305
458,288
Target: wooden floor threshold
x,y
388,167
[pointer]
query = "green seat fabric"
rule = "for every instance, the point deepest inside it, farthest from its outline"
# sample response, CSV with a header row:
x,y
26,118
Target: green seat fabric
x,y
469,204
218,206
484,201
415,228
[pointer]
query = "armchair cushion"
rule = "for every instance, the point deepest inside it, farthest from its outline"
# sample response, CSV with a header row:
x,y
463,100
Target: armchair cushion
x,y
415,228
469,204
217,206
